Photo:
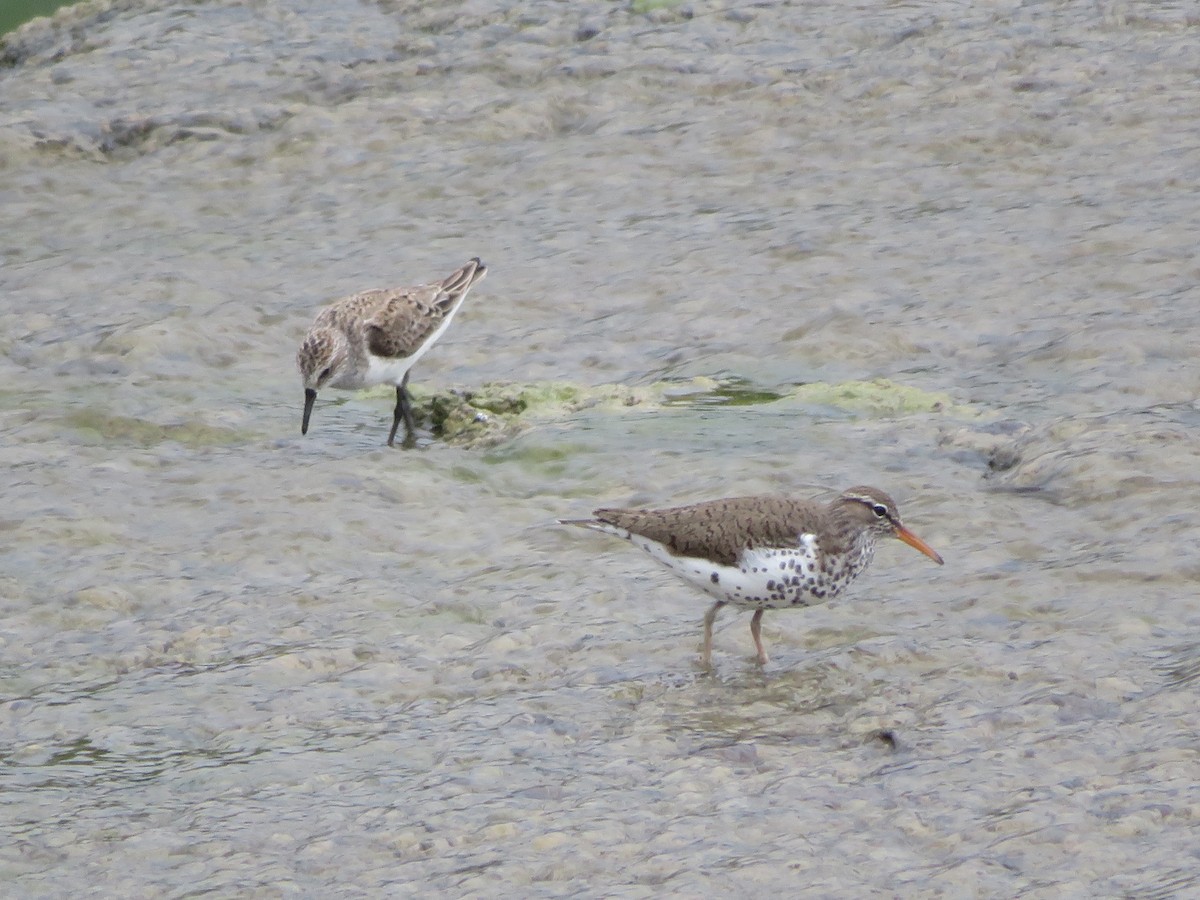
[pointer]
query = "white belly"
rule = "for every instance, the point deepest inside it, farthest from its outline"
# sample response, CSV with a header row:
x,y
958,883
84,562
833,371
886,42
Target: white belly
x,y
384,370
762,579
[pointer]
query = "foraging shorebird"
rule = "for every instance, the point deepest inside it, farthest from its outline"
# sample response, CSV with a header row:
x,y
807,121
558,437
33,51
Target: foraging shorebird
x,y
764,552
375,337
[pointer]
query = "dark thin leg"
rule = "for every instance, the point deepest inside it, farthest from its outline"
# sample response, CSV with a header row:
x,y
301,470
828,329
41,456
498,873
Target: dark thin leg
x,y
709,618
396,415
756,633
403,411
402,393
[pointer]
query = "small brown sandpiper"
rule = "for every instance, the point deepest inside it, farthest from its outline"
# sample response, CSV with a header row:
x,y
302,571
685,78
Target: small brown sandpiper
x,y
764,552
376,336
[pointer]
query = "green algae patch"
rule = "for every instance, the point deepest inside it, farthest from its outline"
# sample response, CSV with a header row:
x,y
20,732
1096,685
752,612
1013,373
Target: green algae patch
x,y
880,397
107,428
740,392
496,412
641,7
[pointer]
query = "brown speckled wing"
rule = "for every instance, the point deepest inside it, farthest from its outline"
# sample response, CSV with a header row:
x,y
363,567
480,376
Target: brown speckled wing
x,y
720,530
406,317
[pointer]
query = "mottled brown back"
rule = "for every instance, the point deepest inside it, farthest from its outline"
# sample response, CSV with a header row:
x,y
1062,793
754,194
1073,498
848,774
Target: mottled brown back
x,y
405,317
721,529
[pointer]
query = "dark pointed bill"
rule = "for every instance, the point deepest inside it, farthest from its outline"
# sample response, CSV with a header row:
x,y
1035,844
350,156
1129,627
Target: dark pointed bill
x,y
310,397
916,543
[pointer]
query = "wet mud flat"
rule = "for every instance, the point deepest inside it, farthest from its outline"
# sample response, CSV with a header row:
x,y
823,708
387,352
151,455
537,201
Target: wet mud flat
x,y
947,250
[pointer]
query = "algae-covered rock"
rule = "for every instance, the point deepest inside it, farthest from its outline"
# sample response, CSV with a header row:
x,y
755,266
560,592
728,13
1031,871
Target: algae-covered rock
x,y
493,413
879,397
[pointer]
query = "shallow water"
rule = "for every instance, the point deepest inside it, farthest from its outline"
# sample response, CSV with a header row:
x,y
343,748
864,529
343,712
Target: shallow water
x,y
243,663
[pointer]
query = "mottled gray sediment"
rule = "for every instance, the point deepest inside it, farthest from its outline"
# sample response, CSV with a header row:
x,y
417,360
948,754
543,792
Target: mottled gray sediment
x,y
948,249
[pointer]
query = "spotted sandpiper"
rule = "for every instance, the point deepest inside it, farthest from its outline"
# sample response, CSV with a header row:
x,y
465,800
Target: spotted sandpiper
x,y
376,336
764,552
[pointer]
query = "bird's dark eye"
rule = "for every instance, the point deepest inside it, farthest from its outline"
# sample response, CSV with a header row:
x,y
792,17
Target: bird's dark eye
x,y
324,373
880,510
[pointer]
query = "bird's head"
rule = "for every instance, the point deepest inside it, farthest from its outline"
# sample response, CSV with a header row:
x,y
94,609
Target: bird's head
x,y
875,511
321,359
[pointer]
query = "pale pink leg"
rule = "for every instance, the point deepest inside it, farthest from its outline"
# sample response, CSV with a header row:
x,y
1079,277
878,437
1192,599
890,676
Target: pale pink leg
x,y
709,618
756,632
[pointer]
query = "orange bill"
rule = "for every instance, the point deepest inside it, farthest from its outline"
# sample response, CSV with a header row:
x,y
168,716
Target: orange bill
x,y
913,541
